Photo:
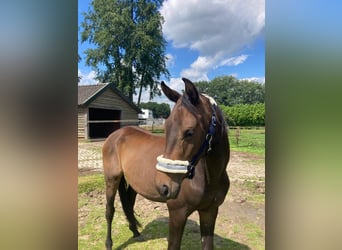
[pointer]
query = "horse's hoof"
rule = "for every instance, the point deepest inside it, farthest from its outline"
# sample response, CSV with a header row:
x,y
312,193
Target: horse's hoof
x,y
138,238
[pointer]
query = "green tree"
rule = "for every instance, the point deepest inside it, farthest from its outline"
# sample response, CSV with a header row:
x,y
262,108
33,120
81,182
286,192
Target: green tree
x,y
160,110
129,48
229,91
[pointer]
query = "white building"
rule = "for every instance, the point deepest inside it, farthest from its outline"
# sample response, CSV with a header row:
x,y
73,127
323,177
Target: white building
x,y
146,115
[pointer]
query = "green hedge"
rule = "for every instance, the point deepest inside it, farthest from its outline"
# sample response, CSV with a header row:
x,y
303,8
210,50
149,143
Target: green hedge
x,y
245,114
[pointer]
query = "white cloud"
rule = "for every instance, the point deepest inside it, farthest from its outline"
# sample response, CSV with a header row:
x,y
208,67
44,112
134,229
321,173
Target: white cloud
x,y
87,78
195,74
233,61
175,84
217,30
170,60
145,96
255,79
199,68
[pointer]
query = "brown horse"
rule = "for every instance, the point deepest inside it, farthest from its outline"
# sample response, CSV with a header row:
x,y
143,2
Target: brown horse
x,y
186,169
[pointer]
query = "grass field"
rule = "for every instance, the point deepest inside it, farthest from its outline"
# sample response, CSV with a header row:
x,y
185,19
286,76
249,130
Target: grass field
x,y
248,140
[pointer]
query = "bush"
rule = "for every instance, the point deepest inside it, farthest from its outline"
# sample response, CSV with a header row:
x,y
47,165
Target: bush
x,y
245,114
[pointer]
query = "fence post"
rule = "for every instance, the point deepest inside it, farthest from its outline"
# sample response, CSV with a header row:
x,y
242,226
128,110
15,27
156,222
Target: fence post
x,y
237,135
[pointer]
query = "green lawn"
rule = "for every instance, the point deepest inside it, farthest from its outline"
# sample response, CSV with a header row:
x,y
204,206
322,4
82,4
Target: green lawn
x,y
242,140
248,140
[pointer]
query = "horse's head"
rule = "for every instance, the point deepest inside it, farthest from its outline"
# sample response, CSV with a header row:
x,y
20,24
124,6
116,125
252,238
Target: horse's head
x,y
189,130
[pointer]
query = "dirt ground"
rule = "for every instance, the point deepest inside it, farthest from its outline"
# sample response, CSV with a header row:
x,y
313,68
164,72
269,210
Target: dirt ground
x,y
247,176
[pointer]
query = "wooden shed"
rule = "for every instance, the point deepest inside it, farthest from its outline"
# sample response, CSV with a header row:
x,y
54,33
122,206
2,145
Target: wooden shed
x,y
102,109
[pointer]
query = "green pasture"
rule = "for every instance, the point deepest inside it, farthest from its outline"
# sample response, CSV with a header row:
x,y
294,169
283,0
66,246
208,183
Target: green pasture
x,y
242,139
249,140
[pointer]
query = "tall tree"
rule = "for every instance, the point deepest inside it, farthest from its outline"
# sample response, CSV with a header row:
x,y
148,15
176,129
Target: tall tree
x,y
129,45
229,91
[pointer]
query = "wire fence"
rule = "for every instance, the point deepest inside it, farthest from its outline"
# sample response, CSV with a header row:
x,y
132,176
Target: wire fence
x,y
237,133
240,136
153,125
241,139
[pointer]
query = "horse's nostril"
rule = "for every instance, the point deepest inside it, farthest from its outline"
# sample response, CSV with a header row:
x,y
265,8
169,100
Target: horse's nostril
x,y
165,190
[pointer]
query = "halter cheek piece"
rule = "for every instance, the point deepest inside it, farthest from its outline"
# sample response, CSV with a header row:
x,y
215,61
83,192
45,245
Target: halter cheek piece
x,y
205,144
186,167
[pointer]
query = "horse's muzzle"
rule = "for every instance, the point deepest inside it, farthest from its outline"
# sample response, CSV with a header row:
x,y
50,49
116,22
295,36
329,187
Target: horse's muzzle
x,y
165,191
169,192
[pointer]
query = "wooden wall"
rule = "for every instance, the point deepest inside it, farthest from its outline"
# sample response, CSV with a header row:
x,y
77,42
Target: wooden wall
x,y
107,100
82,115
110,100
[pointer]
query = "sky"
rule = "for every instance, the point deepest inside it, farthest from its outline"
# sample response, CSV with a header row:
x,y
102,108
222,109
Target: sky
x,y
204,41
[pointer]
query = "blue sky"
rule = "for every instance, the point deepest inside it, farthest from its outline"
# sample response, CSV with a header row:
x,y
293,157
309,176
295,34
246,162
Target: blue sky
x,y
225,37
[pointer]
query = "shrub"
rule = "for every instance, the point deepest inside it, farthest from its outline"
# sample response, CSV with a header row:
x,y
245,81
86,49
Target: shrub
x,y
245,114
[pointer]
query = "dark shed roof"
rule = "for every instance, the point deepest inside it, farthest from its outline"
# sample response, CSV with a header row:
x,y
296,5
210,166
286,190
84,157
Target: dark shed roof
x,y
88,93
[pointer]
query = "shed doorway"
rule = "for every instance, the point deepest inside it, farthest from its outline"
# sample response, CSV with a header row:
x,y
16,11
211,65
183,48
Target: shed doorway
x,y
102,122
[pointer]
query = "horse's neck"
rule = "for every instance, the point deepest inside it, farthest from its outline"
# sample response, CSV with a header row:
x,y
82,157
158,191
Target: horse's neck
x,y
220,139
217,159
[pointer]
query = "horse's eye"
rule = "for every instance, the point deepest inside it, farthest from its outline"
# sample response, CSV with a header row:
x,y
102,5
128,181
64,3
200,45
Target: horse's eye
x,y
188,133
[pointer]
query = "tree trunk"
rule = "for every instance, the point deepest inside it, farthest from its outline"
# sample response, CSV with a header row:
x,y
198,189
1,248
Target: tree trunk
x,y
140,91
130,82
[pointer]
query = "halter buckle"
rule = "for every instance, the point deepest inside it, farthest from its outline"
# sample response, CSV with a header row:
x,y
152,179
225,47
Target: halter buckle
x,y
191,170
213,120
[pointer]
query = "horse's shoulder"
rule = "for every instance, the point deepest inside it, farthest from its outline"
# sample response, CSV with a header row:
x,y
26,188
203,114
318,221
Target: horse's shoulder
x,y
136,131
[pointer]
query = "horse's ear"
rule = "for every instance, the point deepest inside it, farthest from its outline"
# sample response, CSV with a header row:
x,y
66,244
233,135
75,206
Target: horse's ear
x,y
191,91
170,93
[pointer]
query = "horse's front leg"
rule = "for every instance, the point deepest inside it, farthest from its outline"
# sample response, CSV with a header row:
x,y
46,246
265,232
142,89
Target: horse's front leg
x,y
177,220
207,224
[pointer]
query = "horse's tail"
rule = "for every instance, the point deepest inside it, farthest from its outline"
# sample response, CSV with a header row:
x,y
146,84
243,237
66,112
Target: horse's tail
x,y
127,197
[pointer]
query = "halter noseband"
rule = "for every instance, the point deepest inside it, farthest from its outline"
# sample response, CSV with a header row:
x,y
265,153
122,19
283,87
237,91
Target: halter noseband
x,y
186,167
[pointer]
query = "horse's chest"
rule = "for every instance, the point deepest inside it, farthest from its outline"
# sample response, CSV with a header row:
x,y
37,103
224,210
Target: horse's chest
x,y
212,196
205,196
203,191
